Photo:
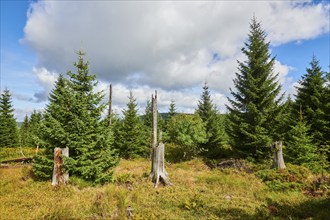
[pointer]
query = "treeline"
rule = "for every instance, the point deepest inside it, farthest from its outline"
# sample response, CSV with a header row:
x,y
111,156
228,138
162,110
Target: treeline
x,y
258,115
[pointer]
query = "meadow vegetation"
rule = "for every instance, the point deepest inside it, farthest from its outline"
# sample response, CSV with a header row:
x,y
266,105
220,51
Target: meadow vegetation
x,y
199,192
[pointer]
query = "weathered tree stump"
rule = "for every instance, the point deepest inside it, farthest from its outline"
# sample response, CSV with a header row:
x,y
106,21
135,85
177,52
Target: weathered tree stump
x,y
158,173
59,176
278,161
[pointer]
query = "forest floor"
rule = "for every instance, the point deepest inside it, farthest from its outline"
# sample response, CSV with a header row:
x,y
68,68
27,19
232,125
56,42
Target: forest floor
x,y
198,192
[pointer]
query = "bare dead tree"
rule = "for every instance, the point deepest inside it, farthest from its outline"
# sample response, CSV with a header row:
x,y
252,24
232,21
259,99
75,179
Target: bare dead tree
x,y
158,172
278,161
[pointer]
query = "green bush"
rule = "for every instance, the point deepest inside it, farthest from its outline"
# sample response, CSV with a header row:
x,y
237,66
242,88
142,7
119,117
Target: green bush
x,y
293,178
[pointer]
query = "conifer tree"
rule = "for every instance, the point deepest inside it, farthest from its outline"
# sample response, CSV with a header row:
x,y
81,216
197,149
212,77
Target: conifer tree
x,y
326,109
213,125
54,128
170,114
8,126
172,110
30,131
147,119
310,98
300,149
73,120
131,136
254,106
24,132
35,124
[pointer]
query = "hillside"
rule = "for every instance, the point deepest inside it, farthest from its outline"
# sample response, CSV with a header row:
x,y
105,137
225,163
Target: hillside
x,y
198,193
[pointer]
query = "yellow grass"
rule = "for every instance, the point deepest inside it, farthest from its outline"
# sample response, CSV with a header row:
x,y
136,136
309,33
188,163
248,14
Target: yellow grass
x,y
197,193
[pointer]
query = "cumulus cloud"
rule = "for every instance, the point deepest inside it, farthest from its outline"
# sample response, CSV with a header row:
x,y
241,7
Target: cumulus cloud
x,y
46,80
186,100
172,46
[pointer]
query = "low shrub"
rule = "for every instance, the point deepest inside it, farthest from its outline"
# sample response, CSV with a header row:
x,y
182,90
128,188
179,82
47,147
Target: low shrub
x,y
292,178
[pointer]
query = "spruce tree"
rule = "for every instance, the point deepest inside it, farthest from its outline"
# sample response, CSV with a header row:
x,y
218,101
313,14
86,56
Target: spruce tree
x,y
214,146
30,131
73,120
300,149
326,109
254,106
132,140
172,110
311,98
9,136
35,125
170,114
147,118
24,132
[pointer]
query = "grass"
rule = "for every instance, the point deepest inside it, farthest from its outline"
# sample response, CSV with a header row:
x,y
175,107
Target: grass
x,y
17,152
198,193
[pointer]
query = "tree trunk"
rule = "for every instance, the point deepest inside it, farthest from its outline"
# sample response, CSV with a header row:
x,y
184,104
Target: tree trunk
x,y
278,161
59,177
158,173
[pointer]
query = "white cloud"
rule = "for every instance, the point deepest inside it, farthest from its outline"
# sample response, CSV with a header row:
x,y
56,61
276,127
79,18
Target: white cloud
x,y
185,100
172,46
287,82
46,80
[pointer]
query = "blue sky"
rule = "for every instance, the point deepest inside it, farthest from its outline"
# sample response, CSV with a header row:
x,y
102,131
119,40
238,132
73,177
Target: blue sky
x,y
143,46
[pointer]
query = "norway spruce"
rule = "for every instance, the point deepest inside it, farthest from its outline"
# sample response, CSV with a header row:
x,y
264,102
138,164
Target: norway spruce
x,y
171,110
131,137
311,98
254,106
326,109
30,130
24,132
8,126
300,147
73,120
214,128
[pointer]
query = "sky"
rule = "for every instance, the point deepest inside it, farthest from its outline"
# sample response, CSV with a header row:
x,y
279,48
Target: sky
x,y
142,46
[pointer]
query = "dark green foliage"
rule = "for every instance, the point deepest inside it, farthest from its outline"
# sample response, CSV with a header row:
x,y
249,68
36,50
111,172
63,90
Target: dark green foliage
x,y
326,110
171,113
300,148
147,118
30,131
43,165
131,136
254,109
311,99
288,119
215,145
188,132
24,129
8,126
73,120
172,110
